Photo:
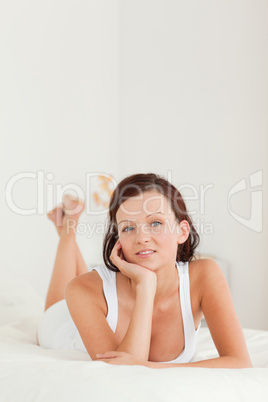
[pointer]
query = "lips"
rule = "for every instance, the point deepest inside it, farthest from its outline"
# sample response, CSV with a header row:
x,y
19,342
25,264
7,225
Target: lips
x,y
146,252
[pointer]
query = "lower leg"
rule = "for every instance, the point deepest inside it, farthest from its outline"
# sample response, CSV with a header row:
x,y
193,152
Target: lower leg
x,y
64,269
56,216
81,266
69,262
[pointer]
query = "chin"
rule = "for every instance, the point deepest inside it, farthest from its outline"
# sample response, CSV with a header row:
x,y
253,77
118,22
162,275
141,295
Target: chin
x,y
146,264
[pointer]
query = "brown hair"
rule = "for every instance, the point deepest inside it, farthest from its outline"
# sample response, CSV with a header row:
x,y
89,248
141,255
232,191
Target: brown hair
x,y
135,185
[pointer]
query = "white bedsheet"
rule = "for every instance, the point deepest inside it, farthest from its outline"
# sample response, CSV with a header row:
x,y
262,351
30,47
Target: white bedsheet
x,y
31,373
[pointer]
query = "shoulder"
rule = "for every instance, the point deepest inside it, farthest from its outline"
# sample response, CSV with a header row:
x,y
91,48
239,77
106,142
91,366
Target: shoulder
x,y
204,268
89,280
210,283
89,287
205,274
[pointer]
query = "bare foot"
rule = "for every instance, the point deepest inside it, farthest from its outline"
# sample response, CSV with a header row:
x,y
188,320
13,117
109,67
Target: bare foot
x,y
56,216
72,209
67,213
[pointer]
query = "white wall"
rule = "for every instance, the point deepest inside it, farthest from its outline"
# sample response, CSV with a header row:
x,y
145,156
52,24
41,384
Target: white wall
x,y
174,87
194,103
59,114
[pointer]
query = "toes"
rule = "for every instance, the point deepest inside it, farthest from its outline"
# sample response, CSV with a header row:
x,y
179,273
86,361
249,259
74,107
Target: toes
x,y
72,205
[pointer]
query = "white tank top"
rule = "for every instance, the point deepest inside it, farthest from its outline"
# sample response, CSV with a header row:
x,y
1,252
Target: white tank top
x,y
190,334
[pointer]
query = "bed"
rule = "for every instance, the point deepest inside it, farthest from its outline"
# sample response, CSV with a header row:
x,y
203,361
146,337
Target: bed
x,y
30,373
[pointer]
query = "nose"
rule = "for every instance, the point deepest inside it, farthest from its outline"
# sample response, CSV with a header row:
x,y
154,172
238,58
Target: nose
x,y
143,234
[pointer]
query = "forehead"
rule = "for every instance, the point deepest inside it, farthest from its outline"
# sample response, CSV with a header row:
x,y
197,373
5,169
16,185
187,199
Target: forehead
x,y
146,203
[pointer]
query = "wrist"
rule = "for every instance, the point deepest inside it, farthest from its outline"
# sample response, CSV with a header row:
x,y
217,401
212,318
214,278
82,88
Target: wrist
x,y
146,288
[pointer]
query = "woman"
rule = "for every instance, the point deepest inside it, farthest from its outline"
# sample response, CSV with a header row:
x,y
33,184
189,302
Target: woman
x,y
145,304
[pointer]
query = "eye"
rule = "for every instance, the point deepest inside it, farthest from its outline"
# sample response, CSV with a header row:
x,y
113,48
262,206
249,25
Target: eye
x,y
127,229
156,223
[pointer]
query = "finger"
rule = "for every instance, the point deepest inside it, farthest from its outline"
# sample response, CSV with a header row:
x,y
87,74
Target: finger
x,y
108,354
104,359
117,243
114,256
118,260
116,247
116,253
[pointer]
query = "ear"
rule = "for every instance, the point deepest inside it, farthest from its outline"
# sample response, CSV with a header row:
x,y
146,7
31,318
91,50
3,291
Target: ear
x,y
184,230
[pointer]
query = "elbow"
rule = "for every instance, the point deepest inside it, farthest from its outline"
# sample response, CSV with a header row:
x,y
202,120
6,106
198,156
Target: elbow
x,y
245,361
247,364
242,363
235,362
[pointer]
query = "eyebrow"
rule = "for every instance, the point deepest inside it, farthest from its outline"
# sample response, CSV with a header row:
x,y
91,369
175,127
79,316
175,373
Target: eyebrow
x,y
128,220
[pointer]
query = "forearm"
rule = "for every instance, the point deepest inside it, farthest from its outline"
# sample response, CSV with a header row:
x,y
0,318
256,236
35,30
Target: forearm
x,y
138,337
219,362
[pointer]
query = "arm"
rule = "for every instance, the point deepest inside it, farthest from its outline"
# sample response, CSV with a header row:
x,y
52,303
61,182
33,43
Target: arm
x,y
83,296
86,305
223,323
222,320
138,336
219,362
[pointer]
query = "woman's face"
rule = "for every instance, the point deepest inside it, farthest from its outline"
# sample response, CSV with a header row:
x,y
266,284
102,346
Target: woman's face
x,y
148,230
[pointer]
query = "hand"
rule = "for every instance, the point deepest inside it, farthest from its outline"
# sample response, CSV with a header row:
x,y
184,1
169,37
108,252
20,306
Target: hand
x,y
114,357
135,272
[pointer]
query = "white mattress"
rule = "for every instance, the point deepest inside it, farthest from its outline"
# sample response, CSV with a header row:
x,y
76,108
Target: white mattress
x,y
31,373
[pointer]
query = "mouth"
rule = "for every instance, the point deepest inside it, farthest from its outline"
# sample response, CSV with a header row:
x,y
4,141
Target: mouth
x,y
145,253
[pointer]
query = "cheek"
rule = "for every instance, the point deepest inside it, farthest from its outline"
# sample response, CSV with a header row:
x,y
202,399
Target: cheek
x,y
168,239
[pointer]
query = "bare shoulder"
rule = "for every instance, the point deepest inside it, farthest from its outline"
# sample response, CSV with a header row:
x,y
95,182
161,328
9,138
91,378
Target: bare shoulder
x,y
210,283
203,268
90,280
203,274
88,286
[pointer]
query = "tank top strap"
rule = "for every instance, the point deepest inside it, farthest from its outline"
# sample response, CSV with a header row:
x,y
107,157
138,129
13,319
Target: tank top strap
x,y
185,298
110,292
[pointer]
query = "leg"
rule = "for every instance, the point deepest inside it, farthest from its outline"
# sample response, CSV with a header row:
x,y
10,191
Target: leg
x,y
56,216
64,269
80,262
69,262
